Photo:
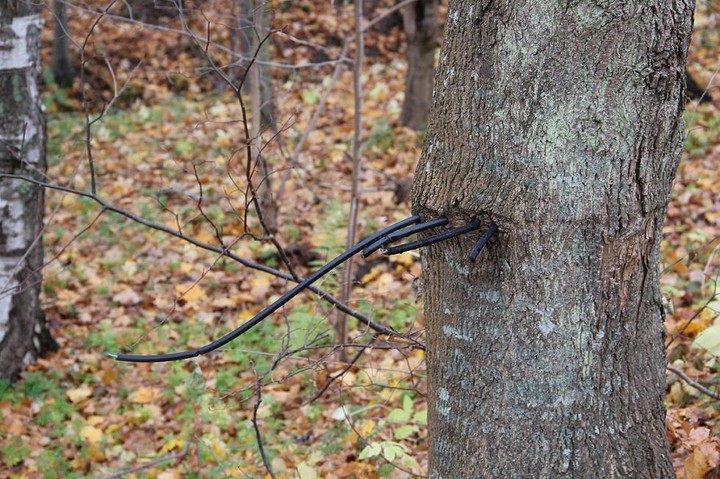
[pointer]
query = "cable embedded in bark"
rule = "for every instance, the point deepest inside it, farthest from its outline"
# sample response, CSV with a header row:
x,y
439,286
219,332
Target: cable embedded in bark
x,y
269,309
404,233
430,240
481,242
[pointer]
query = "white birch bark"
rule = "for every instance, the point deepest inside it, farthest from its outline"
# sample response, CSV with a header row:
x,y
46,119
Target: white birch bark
x,y
23,335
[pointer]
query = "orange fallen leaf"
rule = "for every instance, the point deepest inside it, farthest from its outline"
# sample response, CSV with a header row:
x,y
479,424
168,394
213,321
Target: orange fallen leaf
x,y
704,458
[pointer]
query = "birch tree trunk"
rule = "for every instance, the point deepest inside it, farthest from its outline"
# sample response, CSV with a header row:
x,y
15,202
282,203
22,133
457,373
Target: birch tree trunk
x,y
23,335
562,123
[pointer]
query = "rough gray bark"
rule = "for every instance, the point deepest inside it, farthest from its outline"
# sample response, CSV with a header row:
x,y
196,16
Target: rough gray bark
x,y
61,64
562,123
23,335
420,23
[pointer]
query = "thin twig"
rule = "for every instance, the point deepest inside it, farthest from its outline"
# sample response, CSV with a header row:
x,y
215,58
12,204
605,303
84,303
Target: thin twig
x,y
258,435
693,382
270,309
208,247
239,58
342,373
86,107
387,12
356,168
148,465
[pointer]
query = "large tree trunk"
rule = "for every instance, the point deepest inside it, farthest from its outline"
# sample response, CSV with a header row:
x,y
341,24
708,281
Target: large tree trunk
x,y
23,335
420,23
562,123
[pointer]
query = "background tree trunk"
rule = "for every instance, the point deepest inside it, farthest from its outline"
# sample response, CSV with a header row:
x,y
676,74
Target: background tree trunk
x,y
254,25
261,100
61,64
420,23
562,123
23,335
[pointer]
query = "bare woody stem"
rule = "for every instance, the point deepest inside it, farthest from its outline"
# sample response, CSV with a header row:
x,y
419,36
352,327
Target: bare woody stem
x,y
208,247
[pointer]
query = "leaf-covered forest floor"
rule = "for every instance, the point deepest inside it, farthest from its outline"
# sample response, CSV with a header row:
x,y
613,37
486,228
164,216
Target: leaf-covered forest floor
x,y
170,149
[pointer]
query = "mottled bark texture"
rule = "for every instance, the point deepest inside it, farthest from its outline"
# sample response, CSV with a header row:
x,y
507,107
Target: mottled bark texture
x,y
23,335
561,122
420,23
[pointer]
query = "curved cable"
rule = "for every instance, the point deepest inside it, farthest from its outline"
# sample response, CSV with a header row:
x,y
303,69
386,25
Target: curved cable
x,y
218,343
404,233
481,242
460,230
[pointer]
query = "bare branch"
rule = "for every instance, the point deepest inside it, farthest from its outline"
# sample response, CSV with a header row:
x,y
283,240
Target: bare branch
x,y
692,382
208,247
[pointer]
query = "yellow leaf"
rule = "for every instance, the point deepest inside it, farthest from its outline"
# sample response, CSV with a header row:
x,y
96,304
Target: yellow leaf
x,y
373,273
96,453
405,259
700,323
206,237
144,395
219,448
95,420
366,427
172,444
91,434
169,474
79,394
188,292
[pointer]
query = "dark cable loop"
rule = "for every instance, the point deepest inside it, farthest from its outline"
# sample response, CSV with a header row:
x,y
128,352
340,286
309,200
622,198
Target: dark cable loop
x,y
271,308
404,233
481,242
466,228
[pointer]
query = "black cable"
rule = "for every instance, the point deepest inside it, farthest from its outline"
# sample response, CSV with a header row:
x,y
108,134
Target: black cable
x,y
466,228
404,233
271,308
481,242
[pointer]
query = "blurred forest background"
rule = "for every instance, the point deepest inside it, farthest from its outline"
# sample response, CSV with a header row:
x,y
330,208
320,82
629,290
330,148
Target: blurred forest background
x,y
169,146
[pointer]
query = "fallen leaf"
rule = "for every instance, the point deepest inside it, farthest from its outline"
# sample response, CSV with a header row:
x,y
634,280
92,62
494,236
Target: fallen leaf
x,y
91,434
144,395
190,292
16,428
305,471
79,394
169,474
704,458
127,297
